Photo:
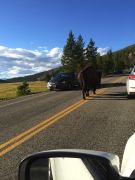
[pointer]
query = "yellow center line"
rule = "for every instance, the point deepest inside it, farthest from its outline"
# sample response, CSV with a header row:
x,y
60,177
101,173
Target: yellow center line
x,y
36,126
14,142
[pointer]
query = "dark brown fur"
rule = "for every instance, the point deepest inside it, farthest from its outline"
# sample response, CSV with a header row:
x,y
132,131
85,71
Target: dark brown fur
x,y
88,80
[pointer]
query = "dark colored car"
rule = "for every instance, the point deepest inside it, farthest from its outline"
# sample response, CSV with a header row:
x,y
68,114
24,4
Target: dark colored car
x,y
63,81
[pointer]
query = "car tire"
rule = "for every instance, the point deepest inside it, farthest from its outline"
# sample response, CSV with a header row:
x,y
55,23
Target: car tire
x,y
51,89
69,86
128,96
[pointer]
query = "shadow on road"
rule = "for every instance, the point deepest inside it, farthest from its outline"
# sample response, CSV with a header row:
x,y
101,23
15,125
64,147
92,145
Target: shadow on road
x,y
109,85
103,85
117,75
113,96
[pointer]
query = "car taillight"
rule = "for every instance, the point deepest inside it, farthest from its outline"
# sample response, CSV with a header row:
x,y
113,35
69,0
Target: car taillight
x,y
132,77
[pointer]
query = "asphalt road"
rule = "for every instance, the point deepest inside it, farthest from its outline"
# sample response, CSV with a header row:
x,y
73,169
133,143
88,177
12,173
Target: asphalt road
x,y
103,122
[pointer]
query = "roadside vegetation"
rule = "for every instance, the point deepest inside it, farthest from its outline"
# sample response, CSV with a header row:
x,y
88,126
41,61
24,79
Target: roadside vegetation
x,y
23,89
8,90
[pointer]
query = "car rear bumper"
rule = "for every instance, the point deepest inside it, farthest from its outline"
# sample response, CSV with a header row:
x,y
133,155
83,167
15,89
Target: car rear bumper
x,y
131,90
130,86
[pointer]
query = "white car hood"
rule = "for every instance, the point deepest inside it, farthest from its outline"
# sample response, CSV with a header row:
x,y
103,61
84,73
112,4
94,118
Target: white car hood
x,y
128,162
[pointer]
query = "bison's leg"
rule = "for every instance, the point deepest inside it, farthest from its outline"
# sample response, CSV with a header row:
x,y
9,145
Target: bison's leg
x,y
84,92
87,93
94,89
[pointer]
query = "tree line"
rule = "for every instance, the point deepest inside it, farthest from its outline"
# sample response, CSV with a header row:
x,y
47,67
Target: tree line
x,y
76,56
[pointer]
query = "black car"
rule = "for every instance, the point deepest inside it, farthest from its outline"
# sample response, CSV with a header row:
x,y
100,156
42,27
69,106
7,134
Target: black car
x,y
63,81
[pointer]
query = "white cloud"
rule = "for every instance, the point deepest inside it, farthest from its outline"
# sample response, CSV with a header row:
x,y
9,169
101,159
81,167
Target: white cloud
x,y
21,62
14,70
55,52
103,51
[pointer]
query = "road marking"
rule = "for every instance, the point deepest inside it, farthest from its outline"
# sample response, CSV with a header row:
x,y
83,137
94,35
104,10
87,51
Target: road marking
x,y
26,135
41,124
35,127
26,99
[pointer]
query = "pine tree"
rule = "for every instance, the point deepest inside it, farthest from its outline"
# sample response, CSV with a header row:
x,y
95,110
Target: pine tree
x,y
99,62
110,61
91,53
23,89
79,59
67,59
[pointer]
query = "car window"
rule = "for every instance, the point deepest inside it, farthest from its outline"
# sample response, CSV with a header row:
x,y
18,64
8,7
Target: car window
x,y
57,77
65,76
133,71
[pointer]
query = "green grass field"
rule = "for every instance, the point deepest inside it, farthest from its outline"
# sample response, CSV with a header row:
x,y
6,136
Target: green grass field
x,y
8,90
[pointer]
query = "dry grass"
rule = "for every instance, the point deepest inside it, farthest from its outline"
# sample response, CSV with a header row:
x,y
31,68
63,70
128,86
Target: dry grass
x,y
8,90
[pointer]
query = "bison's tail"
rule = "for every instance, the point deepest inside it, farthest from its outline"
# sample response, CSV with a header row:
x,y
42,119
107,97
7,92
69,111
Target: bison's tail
x,y
81,80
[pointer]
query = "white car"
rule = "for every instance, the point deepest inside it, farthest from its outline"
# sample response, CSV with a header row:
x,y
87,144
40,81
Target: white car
x,y
130,84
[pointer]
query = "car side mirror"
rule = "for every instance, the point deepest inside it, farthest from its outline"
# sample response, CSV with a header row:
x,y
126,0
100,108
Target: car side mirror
x,y
70,165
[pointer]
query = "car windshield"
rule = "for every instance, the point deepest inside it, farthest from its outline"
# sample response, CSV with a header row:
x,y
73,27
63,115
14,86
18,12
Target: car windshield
x,y
65,75
61,76
57,77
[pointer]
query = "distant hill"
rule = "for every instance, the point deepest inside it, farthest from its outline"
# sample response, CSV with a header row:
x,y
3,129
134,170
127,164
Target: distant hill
x,y
34,77
43,76
2,81
127,55
119,61
127,51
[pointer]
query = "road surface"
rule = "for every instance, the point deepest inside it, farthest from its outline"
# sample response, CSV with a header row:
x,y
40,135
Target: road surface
x,y
56,120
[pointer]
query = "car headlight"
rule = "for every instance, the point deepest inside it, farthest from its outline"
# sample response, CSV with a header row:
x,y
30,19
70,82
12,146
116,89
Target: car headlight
x,y
48,85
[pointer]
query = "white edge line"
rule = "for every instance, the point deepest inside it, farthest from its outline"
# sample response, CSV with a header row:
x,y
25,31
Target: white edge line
x,y
26,99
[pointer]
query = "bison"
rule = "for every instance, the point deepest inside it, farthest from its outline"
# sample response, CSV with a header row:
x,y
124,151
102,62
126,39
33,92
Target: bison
x,y
89,77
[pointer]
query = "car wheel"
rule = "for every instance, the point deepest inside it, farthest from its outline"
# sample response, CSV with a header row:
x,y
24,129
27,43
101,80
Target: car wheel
x,y
51,89
128,96
69,86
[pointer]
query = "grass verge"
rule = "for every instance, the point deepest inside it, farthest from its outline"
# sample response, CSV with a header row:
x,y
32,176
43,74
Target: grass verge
x,y
8,90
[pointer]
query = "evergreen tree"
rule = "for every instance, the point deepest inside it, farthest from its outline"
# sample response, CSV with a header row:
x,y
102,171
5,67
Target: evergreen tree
x,y
79,59
67,59
131,58
23,89
110,61
100,62
91,53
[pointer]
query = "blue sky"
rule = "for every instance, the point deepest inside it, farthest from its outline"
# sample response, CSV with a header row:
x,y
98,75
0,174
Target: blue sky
x,y
41,27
